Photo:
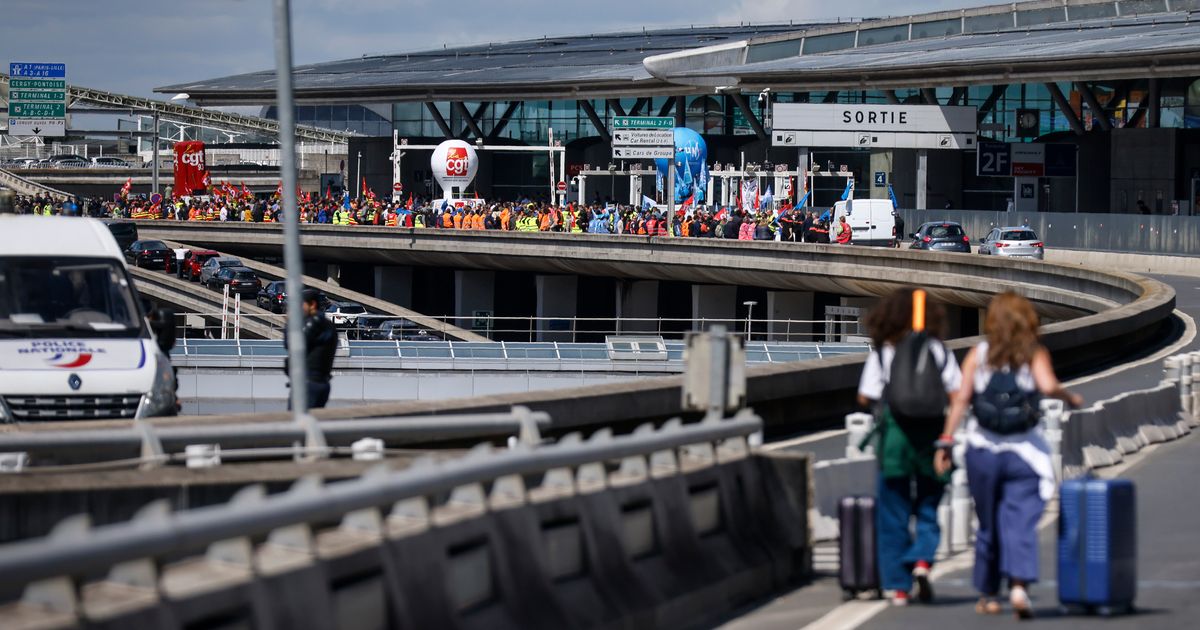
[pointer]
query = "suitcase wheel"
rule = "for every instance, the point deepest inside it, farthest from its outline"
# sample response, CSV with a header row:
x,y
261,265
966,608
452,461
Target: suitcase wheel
x,y
848,594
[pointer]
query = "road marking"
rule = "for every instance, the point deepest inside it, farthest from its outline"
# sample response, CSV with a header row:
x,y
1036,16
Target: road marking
x,y
804,439
848,615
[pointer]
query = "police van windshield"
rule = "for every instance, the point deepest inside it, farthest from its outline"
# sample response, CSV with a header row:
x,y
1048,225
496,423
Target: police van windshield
x,y
66,297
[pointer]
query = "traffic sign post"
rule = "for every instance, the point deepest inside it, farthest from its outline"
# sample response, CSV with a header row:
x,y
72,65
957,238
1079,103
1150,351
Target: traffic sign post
x,y
648,138
37,99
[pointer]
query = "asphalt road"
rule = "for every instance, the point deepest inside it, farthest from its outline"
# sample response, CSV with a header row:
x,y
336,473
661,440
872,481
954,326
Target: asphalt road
x,y
1169,556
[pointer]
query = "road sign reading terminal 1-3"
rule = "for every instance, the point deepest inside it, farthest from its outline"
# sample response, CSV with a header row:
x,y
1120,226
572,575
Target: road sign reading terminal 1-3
x,y
37,99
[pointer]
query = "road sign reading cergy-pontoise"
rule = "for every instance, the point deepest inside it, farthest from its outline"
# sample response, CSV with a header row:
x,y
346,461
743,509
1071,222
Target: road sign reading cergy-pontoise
x,y
37,99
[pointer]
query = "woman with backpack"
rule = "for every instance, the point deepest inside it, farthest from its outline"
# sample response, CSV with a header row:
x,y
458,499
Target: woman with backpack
x,y
907,378
1009,470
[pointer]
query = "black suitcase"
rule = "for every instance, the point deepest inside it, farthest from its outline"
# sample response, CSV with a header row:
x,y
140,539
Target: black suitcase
x,y
858,567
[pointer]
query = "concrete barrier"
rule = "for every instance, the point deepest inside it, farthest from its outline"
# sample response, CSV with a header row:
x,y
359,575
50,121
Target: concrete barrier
x,y
684,526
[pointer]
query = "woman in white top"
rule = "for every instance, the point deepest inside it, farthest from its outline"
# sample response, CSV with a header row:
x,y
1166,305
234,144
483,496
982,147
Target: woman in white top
x,y
1008,466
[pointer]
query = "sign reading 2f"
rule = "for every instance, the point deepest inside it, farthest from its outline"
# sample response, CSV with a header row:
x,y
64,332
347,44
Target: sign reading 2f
x,y
994,159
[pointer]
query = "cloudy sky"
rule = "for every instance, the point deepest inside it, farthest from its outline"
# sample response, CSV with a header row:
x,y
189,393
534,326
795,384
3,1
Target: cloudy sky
x,y
133,46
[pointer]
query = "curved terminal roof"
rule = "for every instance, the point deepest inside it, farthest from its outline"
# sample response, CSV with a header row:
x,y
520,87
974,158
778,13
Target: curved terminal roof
x,y
1042,40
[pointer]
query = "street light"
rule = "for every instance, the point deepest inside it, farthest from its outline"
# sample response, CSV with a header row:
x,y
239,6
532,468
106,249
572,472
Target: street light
x,y
749,304
358,171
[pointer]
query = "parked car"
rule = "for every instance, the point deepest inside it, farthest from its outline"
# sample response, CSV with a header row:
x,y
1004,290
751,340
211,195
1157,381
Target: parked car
x,y
241,280
194,260
211,266
125,232
65,161
941,236
152,254
273,297
26,162
110,162
1013,242
344,314
402,330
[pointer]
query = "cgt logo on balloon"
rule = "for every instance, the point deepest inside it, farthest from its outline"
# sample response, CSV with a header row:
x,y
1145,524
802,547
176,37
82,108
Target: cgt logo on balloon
x,y
454,164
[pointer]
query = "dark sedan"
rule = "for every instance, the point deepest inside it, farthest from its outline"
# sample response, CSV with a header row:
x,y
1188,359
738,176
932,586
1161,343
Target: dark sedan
x,y
240,280
273,297
152,254
941,236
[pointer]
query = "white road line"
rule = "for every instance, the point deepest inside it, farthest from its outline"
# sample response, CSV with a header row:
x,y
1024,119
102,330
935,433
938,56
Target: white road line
x,y
848,616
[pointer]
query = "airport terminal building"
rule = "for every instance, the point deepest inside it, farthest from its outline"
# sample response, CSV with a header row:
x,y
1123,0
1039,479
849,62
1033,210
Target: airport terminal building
x,y
1118,79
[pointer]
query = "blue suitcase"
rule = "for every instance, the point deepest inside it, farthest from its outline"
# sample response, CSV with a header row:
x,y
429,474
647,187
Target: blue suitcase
x,y
1097,545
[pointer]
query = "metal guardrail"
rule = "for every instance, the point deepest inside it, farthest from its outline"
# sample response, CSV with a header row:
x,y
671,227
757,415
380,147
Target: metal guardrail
x,y
24,186
74,551
159,444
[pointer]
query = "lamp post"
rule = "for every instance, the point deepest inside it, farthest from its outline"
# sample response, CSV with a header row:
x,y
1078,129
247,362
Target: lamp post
x,y
749,304
358,171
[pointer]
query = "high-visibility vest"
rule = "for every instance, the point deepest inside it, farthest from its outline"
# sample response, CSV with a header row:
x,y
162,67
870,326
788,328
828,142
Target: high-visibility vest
x,y
392,219
419,221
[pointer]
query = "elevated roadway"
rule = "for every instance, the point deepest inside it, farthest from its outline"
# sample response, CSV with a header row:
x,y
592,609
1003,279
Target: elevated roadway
x,y
372,303
196,298
1112,315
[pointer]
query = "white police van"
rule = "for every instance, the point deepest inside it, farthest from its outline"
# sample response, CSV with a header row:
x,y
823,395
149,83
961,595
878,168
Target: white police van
x,y
871,222
75,341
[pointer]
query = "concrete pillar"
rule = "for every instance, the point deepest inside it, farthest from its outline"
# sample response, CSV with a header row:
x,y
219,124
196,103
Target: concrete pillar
x,y
1025,194
637,300
881,162
922,178
394,284
790,305
333,274
954,315
717,302
474,294
557,297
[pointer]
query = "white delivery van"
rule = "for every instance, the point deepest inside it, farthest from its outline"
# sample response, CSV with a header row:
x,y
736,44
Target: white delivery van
x,y
871,222
75,341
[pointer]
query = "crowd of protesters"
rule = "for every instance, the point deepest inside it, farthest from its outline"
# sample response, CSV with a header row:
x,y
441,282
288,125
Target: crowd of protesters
x,y
785,223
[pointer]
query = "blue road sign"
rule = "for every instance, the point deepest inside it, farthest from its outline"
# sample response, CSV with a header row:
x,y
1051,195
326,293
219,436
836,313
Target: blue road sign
x,y
880,179
37,70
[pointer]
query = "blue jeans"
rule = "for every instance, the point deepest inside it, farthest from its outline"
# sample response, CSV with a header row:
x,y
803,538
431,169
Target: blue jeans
x,y
901,498
1008,505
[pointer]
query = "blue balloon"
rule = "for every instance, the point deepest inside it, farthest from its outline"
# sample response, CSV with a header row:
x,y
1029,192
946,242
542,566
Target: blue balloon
x,y
691,169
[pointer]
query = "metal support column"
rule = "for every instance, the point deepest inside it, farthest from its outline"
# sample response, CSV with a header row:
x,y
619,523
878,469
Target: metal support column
x,y
154,166
891,97
1093,104
739,99
504,118
1064,106
922,177
1155,106
439,119
680,112
830,97
929,95
293,260
990,103
615,105
598,124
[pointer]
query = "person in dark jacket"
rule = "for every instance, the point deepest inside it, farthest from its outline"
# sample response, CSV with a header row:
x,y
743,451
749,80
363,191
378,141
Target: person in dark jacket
x,y
320,342
734,226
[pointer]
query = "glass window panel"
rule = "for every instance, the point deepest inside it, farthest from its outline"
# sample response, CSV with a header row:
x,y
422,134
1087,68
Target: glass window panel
x,y
938,28
756,357
339,113
883,35
1034,17
827,43
773,50
988,23
1092,11
1142,7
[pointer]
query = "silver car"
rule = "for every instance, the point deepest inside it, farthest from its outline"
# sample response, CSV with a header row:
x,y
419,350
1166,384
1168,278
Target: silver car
x,y
214,264
1014,242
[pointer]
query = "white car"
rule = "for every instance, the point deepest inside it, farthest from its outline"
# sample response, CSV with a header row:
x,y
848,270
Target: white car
x,y
1012,242
344,313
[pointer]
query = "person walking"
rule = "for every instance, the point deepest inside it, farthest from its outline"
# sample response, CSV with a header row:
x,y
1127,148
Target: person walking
x,y
898,234
320,342
906,329
1009,470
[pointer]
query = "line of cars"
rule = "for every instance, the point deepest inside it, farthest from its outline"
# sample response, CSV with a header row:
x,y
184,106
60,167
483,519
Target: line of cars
x,y
69,161
949,236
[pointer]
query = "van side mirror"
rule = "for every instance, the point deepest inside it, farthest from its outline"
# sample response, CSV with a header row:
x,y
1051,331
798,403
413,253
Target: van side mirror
x,y
162,323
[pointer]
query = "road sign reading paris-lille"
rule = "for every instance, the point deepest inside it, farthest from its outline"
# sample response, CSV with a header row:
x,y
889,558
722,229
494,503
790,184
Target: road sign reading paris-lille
x,y
37,99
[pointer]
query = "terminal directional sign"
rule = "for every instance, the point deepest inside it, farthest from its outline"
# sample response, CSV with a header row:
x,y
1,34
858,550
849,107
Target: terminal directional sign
x,y
643,122
37,99
643,153
643,137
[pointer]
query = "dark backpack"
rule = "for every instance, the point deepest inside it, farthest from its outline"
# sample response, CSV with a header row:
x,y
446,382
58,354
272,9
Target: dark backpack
x,y
1003,407
914,390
